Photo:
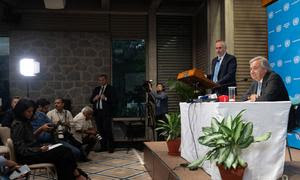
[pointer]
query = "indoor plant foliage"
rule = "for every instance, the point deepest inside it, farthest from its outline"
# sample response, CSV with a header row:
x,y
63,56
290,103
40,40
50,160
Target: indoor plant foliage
x,y
227,138
171,129
184,91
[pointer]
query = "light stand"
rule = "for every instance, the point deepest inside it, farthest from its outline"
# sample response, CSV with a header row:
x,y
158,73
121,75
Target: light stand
x,y
28,68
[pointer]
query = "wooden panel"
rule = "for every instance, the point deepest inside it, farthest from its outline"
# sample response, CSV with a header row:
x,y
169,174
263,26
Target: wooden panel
x,y
250,37
174,51
129,26
202,61
63,22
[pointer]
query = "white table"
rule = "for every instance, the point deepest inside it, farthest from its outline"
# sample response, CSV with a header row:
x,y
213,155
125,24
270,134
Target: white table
x,y
265,159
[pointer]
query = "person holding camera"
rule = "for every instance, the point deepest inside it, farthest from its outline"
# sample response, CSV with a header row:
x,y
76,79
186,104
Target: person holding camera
x,y
83,131
161,103
60,121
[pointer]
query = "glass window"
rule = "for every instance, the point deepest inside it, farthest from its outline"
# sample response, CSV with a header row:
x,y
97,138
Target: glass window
x,y
128,64
4,74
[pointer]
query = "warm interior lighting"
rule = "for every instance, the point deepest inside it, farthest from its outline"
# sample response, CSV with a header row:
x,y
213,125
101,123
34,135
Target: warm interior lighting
x,y
29,67
54,4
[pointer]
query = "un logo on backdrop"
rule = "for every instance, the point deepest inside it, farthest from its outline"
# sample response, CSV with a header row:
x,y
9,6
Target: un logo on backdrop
x,y
296,59
287,43
271,15
279,63
286,6
288,79
296,21
272,48
272,65
278,28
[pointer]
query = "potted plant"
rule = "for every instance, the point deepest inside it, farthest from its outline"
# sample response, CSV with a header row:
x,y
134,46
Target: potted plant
x,y
183,90
170,129
227,138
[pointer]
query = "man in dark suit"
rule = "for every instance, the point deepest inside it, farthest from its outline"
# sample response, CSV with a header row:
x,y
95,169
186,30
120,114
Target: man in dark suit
x,y
267,85
102,100
223,69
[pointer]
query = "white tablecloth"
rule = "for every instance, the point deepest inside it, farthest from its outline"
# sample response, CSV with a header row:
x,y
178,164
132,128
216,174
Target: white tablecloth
x,y
265,159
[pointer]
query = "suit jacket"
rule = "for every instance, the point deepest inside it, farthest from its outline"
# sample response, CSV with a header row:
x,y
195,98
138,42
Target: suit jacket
x,y
226,76
108,93
273,89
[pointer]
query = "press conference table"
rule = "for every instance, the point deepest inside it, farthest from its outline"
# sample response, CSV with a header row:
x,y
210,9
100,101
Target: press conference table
x,y
265,159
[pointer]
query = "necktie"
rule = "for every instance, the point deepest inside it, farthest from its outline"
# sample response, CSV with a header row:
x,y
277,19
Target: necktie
x,y
99,104
217,69
258,92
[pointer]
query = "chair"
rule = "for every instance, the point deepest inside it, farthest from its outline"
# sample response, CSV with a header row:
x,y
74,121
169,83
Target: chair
x,y
8,143
4,134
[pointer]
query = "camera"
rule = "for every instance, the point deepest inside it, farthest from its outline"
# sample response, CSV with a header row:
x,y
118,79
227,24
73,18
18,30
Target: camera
x,y
60,132
146,85
98,137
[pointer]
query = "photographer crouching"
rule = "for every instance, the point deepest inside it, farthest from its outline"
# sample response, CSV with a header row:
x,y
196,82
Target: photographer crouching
x,y
83,131
161,103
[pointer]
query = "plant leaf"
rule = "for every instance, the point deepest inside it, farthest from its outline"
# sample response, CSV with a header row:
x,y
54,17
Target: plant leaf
x,y
237,131
241,161
229,160
263,137
235,163
197,163
246,133
228,122
247,143
223,154
225,130
207,130
215,125
210,138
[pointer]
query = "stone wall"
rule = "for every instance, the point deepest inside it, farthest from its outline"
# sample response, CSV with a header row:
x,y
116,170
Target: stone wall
x,y
70,63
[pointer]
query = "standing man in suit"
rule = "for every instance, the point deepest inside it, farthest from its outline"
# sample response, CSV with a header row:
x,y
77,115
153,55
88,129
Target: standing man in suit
x,y
102,100
266,85
223,69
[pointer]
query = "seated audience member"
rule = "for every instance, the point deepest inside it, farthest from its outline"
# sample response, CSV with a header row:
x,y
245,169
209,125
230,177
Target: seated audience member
x,y
9,115
267,85
61,118
29,151
59,115
6,167
83,130
40,118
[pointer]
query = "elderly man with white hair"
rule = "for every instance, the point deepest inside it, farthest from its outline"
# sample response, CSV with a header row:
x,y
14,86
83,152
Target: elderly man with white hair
x,y
267,85
83,130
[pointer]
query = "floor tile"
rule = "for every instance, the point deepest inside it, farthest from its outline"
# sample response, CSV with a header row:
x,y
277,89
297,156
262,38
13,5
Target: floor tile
x,y
120,172
120,165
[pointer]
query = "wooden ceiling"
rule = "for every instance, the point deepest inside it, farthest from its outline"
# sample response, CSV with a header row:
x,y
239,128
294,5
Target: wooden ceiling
x,y
108,6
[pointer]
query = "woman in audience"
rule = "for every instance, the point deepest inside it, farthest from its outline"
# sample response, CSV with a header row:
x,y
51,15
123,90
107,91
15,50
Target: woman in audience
x,y
29,151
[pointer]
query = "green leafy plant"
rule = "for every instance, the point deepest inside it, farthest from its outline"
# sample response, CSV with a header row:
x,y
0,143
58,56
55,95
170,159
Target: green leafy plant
x,y
227,138
171,128
184,91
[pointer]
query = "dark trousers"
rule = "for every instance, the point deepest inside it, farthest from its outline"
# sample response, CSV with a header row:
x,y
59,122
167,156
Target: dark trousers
x,y
104,126
61,157
89,140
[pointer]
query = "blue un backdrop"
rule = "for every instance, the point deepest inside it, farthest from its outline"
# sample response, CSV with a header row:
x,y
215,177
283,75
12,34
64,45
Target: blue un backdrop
x,y
284,42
